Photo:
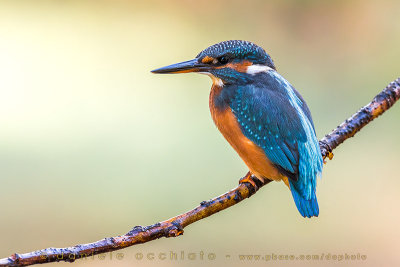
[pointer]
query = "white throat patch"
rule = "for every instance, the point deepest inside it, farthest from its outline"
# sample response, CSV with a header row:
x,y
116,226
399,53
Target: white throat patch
x,y
216,81
254,69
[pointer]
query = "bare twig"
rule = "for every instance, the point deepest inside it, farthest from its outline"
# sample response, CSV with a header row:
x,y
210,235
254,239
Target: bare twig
x,y
174,227
381,102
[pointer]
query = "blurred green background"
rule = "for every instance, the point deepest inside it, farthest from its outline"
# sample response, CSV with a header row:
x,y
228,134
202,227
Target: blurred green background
x,y
92,143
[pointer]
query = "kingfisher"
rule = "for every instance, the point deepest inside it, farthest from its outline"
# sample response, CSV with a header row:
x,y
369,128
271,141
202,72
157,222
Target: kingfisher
x,y
262,116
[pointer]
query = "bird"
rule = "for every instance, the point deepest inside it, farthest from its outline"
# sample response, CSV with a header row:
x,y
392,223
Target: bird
x,y
262,116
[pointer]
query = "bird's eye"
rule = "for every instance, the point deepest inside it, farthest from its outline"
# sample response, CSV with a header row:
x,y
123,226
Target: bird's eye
x,y
223,60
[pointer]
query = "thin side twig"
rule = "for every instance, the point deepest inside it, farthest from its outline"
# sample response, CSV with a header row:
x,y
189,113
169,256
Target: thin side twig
x,y
174,226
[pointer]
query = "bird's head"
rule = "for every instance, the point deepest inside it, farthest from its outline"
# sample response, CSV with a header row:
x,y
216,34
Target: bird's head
x,y
227,62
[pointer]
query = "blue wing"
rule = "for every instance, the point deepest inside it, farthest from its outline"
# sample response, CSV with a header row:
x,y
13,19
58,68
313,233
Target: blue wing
x,y
273,115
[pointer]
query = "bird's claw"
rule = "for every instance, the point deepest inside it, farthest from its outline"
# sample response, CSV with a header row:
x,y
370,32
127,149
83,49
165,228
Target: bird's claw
x,y
248,179
329,156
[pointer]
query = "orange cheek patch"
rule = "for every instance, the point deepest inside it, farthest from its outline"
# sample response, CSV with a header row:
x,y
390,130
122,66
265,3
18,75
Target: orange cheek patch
x,y
207,60
240,67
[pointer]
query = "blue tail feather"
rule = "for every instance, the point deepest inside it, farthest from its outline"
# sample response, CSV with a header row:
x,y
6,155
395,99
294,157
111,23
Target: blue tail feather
x,y
307,208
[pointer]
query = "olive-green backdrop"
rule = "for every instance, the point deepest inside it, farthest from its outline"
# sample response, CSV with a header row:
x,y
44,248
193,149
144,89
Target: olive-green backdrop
x,y
92,143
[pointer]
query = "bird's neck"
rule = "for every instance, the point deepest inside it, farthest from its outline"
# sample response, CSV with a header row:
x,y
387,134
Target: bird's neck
x,y
220,97
213,99
219,107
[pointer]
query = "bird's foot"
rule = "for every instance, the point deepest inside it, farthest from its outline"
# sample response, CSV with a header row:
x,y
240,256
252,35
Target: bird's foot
x,y
248,179
329,156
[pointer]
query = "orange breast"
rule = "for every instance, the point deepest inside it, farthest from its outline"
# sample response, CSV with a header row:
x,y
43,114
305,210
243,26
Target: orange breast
x,y
253,156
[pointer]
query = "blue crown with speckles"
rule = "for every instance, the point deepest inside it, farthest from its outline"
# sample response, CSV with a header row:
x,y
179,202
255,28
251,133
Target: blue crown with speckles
x,y
238,50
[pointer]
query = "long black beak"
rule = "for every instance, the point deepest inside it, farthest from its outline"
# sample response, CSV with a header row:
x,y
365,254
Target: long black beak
x,y
183,67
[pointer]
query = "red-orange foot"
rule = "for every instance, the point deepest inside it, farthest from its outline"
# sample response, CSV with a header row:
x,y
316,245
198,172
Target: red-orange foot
x,y
248,179
329,156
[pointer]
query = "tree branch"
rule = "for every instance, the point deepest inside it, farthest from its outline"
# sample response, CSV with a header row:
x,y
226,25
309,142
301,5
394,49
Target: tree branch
x,y
174,226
